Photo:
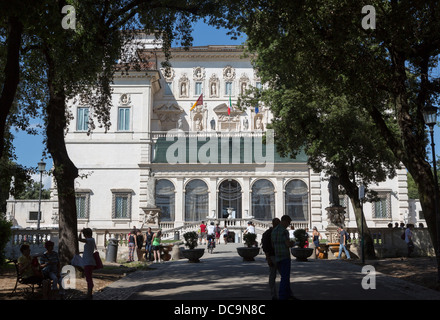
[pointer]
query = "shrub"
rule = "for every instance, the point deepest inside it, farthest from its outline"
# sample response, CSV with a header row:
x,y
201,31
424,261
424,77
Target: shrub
x,y
249,239
300,237
191,239
5,235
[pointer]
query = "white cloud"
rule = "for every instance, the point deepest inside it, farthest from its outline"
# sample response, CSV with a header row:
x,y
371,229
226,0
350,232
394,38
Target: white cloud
x,y
47,180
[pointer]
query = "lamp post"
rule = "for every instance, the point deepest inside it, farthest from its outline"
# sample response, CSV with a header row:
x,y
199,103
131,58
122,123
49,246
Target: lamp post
x,y
430,116
41,168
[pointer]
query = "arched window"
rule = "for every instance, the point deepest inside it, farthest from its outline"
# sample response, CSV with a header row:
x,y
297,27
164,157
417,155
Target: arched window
x,y
297,200
165,199
263,200
196,200
229,196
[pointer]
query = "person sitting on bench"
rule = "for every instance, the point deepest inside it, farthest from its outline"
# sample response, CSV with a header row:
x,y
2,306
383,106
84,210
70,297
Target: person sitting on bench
x,y
50,263
28,267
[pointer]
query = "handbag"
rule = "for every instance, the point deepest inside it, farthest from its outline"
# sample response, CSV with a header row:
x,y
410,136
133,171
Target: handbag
x,y
97,260
77,261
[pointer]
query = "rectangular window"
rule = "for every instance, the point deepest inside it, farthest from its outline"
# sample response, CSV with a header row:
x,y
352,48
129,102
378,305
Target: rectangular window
x,y
82,205
121,207
382,207
121,204
228,88
258,85
198,89
169,89
82,123
124,119
33,215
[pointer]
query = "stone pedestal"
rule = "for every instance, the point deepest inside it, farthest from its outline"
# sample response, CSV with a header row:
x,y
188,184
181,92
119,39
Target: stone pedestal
x,y
151,217
336,218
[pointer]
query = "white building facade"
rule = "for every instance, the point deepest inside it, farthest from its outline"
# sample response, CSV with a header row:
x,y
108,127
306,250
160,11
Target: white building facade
x,y
201,163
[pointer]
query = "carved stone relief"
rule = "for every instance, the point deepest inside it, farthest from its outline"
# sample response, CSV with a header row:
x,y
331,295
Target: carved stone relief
x,y
168,74
169,116
228,73
199,118
199,73
125,99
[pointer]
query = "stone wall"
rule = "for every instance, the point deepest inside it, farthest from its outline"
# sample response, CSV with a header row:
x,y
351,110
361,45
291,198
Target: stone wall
x,y
388,244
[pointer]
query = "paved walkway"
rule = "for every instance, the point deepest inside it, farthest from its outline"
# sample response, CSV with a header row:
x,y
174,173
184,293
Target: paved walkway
x,y
224,276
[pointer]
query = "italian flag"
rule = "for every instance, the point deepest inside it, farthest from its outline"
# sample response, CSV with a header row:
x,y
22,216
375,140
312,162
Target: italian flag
x,y
198,102
230,105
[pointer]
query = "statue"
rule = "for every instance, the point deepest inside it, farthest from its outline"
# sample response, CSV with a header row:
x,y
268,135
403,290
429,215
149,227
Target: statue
x,y
199,124
213,89
246,123
151,190
152,216
333,191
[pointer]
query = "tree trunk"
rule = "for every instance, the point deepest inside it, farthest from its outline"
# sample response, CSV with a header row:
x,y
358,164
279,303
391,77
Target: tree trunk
x,y
353,193
368,240
11,72
65,171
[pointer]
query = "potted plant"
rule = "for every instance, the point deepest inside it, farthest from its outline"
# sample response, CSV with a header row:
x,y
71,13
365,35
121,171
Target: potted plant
x,y
301,252
249,252
192,254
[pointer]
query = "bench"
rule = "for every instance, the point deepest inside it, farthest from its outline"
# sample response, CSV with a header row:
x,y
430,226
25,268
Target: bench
x,y
19,279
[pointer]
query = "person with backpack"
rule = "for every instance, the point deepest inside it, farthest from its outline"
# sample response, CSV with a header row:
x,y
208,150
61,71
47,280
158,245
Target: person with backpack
x,y
343,236
266,242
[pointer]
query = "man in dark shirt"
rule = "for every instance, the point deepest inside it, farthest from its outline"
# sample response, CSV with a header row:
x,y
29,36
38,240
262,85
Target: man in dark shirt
x,y
282,244
270,257
342,242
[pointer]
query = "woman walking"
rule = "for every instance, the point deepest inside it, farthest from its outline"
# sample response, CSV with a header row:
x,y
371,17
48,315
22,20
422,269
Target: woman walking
x,y
88,259
316,237
156,246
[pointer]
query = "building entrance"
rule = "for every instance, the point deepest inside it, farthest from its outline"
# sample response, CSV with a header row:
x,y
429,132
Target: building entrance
x,y
229,199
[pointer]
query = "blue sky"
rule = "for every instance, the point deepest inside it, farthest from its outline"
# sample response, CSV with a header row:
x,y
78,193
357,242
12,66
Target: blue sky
x,y
29,148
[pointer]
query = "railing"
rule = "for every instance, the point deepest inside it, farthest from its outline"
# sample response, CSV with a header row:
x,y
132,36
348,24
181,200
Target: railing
x,y
387,241
33,237
205,134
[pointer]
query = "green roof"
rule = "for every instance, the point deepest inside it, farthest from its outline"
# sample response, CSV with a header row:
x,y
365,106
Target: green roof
x,y
224,150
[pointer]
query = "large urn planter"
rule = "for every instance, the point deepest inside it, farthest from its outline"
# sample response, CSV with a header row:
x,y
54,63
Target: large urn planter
x,y
193,255
301,254
248,254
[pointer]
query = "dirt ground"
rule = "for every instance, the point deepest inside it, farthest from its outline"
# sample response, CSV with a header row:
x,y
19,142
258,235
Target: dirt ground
x,y
101,279
422,271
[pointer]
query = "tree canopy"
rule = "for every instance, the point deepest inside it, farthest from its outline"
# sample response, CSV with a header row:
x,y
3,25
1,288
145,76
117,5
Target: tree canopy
x,y
313,53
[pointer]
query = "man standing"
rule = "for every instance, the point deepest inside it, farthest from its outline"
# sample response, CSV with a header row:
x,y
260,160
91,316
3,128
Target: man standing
x,y
343,242
270,257
281,244
408,239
